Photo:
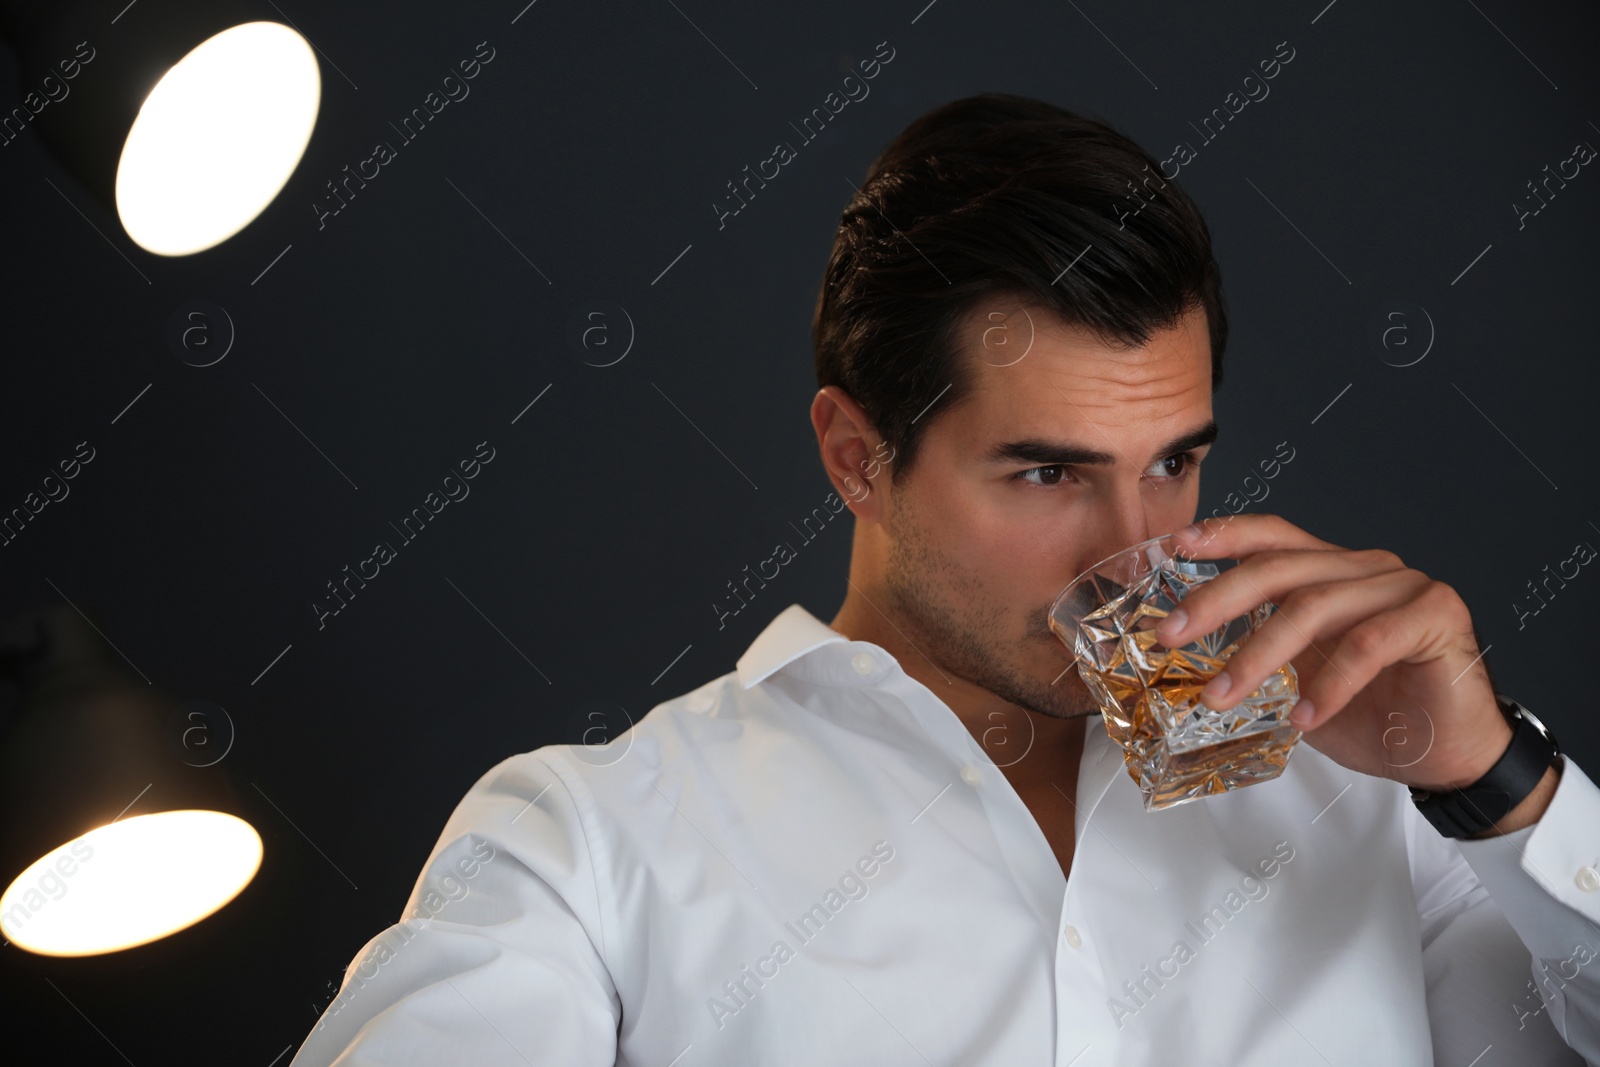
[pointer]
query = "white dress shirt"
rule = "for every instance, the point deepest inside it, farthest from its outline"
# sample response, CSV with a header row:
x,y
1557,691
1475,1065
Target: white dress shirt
x,y
811,861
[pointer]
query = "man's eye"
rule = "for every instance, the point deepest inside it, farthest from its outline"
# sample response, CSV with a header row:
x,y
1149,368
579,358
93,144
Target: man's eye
x,y
1050,475
1185,462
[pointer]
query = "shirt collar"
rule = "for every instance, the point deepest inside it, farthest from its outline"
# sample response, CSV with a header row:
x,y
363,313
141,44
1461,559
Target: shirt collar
x,y
792,634
795,633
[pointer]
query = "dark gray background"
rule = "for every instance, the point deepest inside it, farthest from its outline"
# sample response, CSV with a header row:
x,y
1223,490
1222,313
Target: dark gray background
x,y
1384,162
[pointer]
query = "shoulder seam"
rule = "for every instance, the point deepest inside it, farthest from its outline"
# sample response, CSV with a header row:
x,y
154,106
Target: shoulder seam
x,y
574,787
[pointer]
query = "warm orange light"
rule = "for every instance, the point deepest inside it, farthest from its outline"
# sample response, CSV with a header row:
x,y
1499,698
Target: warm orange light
x,y
130,882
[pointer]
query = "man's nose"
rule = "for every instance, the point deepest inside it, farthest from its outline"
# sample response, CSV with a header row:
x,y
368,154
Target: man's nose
x,y
1126,525
1129,522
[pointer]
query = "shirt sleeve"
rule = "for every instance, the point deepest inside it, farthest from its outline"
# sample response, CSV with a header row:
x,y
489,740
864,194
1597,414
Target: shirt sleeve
x,y
1509,934
498,959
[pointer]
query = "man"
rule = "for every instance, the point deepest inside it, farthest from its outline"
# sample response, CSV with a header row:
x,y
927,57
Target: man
x,y
905,837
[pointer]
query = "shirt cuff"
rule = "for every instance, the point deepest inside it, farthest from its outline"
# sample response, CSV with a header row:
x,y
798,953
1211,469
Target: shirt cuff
x,y
1556,859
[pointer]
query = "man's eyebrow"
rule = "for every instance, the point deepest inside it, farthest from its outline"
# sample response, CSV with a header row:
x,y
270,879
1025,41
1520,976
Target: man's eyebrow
x,y
1052,453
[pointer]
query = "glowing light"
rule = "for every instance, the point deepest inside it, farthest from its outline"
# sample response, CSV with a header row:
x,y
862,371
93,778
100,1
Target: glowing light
x,y
217,138
130,882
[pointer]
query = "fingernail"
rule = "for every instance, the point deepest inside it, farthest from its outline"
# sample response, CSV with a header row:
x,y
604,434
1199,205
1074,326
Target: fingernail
x,y
1190,532
1174,621
1218,686
1302,713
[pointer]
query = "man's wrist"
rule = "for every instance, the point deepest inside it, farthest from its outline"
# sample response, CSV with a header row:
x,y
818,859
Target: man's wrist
x,y
1530,810
1511,795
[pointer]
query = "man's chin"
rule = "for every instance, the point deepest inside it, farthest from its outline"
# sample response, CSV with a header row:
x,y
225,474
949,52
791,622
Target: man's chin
x,y
1059,664
1068,698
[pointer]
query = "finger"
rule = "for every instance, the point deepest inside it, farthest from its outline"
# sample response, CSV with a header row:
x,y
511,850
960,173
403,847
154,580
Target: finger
x,y
1370,646
1236,536
1265,577
1311,614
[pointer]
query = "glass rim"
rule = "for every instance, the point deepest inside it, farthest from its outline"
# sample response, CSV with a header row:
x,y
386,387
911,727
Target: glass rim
x,y
1090,570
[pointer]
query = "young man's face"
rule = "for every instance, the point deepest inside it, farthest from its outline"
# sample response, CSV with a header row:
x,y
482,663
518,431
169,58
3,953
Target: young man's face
x,y
1002,509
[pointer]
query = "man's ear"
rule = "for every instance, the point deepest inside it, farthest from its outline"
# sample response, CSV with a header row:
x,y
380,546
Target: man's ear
x,y
853,452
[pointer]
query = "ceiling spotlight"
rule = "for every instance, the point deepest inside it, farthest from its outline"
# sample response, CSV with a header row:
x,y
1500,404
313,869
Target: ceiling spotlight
x,y
109,836
187,117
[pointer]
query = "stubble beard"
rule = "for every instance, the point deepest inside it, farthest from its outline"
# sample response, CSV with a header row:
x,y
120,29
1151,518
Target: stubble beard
x,y
945,613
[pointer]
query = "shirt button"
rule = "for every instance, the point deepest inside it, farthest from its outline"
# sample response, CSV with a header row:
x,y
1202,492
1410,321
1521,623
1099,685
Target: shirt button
x,y
971,775
863,663
1588,879
1072,937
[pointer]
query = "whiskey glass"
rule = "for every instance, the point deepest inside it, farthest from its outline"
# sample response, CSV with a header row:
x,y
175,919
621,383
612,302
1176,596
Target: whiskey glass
x,y
1176,748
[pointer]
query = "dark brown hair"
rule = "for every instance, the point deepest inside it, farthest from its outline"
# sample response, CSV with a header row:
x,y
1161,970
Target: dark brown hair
x,y
996,195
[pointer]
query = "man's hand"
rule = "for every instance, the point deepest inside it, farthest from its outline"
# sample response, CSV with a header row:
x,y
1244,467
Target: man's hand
x,y
1391,677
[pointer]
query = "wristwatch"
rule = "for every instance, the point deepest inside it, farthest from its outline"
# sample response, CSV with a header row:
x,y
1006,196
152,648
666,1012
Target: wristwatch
x,y
1475,808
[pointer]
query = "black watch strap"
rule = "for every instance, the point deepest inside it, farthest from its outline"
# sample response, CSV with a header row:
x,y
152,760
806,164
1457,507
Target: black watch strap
x,y
1475,808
